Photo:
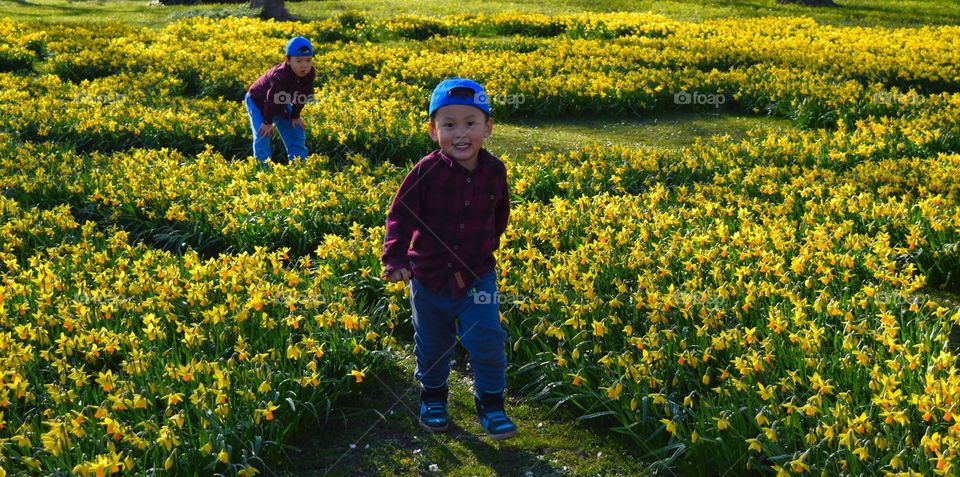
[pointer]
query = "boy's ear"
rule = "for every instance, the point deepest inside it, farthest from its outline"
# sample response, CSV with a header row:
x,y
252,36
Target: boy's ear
x,y
489,127
433,131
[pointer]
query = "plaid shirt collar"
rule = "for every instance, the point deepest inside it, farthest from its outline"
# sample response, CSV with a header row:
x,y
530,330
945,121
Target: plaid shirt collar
x,y
483,156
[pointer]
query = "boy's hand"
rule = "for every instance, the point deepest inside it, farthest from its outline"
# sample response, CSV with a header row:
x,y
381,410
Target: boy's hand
x,y
297,123
399,274
266,130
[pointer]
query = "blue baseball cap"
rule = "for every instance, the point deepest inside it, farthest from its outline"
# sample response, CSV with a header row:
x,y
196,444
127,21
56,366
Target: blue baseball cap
x,y
442,95
299,46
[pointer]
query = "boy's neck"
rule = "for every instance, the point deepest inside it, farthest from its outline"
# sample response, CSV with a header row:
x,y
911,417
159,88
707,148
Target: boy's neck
x,y
470,165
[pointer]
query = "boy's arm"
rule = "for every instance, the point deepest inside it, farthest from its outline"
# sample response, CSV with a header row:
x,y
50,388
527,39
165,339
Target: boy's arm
x,y
276,96
502,212
306,91
270,106
401,220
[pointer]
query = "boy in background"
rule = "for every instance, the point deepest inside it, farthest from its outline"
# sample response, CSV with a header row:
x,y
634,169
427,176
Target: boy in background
x,y
278,97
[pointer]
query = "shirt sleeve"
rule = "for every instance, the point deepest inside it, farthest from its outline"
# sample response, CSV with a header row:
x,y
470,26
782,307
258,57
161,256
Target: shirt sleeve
x,y
270,106
502,212
401,222
306,91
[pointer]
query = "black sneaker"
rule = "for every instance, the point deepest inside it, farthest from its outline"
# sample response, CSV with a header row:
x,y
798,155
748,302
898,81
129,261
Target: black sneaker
x,y
492,418
433,409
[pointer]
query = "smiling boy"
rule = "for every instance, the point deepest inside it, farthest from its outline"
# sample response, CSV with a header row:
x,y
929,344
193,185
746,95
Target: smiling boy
x,y
444,224
277,97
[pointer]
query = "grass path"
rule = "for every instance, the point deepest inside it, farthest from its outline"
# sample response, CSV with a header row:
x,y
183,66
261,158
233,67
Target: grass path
x,y
375,433
670,130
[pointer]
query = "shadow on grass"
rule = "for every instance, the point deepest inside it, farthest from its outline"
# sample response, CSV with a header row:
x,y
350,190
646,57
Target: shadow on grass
x,y
375,432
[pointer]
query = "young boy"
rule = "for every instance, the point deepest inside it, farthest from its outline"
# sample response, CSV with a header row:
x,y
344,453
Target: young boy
x,y
277,97
443,226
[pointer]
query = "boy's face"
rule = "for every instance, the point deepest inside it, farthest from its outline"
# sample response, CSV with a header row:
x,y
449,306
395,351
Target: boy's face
x,y
460,131
301,65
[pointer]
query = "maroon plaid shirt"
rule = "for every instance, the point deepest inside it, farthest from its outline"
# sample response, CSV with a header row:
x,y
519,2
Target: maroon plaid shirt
x,y
445,221
277,88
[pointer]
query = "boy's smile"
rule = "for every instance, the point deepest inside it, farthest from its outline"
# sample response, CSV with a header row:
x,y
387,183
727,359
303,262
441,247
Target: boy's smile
x,y
460,130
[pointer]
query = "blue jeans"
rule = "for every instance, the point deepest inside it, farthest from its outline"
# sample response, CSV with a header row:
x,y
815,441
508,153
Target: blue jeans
x,y
294,138
436,328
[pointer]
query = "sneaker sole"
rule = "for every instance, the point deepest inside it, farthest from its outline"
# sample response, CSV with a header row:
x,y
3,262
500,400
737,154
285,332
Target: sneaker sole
x,y
504,435
435,429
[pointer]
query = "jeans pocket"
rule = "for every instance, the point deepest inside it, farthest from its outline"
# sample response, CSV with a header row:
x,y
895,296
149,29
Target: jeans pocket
x,y
488,282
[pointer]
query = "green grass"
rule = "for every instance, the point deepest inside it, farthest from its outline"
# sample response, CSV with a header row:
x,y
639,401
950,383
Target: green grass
x,y
136,12
853,12
671,130
380,423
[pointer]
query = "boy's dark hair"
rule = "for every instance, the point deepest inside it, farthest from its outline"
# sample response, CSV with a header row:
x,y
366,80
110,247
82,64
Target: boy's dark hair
x,y
303,50
461,92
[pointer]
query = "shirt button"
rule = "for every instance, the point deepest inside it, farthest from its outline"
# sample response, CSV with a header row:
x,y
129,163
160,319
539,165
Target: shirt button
x,y
491,197
449,265
466,202
461,226
469,179
456,247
